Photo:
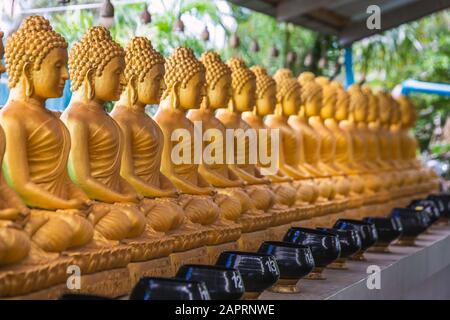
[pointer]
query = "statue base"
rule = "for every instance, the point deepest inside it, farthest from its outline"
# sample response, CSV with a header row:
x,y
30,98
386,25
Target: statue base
x,y
252,241
339,264
193,256
406,241
161,267
110,283
213,252
380,248
277,233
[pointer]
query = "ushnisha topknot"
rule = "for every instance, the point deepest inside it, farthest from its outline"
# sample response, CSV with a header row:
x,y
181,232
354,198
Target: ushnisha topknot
x,y
215,67
181,66
263,80
310,88
31,43
286,83
93,52
140,58
240,74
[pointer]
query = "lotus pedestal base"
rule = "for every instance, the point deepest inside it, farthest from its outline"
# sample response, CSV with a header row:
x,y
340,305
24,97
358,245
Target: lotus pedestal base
x,y
285,286
193,256
251,241
110,283
316,274
161,267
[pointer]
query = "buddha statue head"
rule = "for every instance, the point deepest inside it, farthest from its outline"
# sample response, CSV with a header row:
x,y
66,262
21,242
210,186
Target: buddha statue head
x,y
372,105
218,81
395,113
329,98
266,92
185,79
407,111
288,93
36,59
96,67
144,73
384,107
243,86
358,103
342,101
311,94
2,51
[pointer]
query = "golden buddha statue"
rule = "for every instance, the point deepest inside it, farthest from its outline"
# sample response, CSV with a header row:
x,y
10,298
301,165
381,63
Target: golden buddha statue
x,y
287,102
385,141
426,179
35,167
217,173
266,90
357,128
118,212
344,151
311,98
14,242
185,81
142,149
243,88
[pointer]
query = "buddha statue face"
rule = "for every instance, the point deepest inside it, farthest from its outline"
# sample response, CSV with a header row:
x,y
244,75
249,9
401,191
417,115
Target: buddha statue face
x,y
144,72
288,92
37,68
372,105
244,99
342,101
311,94
108,86
150,89
395,113
291,103
218,81
99,79
266,103
384,107
218,95
329,96
191,95
185,79
2,51
266,91
405,110
243,86
358,103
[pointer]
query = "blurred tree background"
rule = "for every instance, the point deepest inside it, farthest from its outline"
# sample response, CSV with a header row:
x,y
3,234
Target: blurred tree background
x,y
419,50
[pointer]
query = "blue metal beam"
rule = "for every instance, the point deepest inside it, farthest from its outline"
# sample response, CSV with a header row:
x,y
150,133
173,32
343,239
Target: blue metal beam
x,y
349,76
409,86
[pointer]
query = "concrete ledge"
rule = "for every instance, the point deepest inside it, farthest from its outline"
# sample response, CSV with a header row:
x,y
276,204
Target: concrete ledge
x,y
419,272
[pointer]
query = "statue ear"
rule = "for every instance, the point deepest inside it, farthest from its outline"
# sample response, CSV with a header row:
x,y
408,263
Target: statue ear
x,y
89,86
132,90
175,93
28,79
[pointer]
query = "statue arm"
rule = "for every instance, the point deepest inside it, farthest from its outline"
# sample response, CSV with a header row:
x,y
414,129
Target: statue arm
x,y
127,169
79,167
242,174
179,182
217,180
16,172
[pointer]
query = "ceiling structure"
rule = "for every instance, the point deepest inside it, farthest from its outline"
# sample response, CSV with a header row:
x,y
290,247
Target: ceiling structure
x,y
345,19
